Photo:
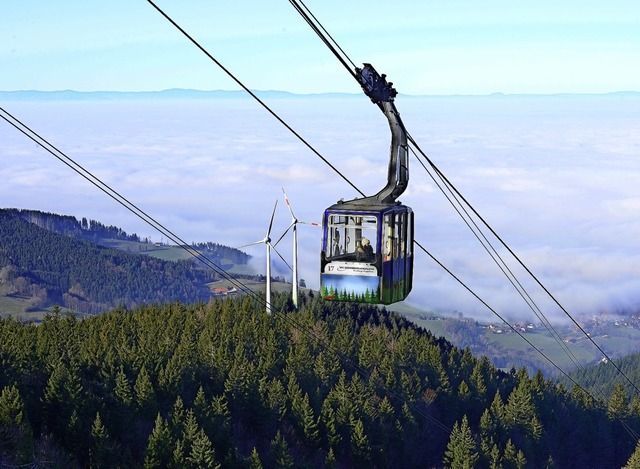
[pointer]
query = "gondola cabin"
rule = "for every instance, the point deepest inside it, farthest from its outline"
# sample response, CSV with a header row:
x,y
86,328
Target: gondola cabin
x,y
367,243
367,253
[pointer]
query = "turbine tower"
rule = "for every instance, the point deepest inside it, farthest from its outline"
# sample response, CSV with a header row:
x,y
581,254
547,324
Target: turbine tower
x,y
267,241
294,225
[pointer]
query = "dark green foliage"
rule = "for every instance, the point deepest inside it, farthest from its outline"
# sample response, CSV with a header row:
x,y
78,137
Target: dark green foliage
x,y
602,379
461,451
634,460
280,457
15,431
335,385
158,452
53,268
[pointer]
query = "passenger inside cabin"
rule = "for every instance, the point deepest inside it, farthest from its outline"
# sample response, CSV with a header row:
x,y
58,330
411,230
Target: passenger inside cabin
x,y
336,243
367,251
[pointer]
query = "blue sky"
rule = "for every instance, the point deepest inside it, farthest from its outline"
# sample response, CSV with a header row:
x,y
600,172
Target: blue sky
x,y
443,47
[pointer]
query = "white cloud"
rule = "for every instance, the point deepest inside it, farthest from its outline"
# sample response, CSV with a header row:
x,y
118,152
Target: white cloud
x,y
555,177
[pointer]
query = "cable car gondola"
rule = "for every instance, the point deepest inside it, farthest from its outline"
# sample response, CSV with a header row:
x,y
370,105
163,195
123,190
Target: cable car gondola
x,y
367,243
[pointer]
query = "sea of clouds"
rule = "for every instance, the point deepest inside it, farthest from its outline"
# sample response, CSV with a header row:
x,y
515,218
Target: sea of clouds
x,y
555,176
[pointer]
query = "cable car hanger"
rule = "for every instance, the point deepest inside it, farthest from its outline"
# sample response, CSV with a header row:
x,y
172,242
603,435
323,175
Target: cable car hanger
x,y
381,93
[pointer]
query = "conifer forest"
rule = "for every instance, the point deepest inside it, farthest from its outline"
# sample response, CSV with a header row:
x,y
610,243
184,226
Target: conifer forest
x,y
223,384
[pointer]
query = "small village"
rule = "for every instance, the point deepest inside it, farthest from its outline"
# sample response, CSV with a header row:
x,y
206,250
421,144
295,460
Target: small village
x,y
596,325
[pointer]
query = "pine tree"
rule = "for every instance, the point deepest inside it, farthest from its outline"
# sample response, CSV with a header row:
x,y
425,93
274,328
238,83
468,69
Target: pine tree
x,y
463,391
123,388
189,431
302,413
497,407
280,453
254,460
494,458
158,452
360,447
478,380
104,452
177,417
618,407
461,451
634,406
488,434
330,461
16,436
201,455
521,461
634,459
221,423
203,411
510,455
145,395
330,423
536,428
520,409
62,395
178,460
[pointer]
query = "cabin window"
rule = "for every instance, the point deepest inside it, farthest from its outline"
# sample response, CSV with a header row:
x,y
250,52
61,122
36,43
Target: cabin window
x,y
352,237
397,241
409,235
387,230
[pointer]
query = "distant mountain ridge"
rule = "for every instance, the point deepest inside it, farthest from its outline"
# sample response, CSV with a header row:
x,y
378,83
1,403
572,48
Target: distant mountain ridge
x,y
188,94
171,94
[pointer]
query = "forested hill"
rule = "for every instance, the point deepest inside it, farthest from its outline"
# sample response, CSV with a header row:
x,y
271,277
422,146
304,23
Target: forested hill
x,y
91,230
48,268
334,385
101,234
604,380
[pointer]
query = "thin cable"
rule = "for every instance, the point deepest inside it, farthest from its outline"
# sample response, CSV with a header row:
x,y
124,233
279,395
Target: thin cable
x,y
253,95
500,262
317,27
484,222
327,33
61,156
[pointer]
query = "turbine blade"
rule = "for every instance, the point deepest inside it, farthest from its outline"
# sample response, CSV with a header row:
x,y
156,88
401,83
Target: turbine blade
x,y
309,223
286,199
279,255
250,244
272,215
283,234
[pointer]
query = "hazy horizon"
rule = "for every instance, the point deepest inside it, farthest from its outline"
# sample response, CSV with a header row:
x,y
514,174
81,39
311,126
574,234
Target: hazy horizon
x,y
242,94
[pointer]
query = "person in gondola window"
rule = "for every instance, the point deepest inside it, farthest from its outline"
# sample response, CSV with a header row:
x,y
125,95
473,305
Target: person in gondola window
x,y
367,250
336,243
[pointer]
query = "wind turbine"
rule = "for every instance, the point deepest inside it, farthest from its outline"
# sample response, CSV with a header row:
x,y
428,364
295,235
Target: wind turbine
x,y
294,225
267,241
